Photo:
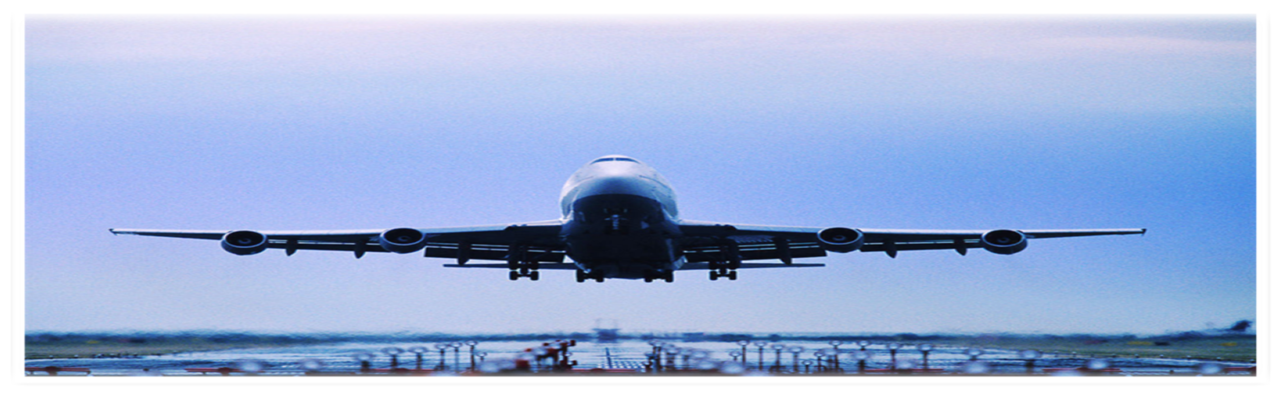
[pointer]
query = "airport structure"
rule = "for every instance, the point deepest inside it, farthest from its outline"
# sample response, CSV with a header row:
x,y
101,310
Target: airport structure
x,y
634,357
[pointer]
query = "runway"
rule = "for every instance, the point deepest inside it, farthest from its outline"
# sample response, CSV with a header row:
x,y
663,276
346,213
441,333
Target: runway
x,y
628,357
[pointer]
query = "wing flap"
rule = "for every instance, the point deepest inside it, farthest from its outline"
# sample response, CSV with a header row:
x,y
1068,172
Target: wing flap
x,y
706,266
751,252
549,266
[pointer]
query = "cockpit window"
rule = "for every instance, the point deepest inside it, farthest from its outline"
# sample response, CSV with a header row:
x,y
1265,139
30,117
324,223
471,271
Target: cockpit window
x,y
614,159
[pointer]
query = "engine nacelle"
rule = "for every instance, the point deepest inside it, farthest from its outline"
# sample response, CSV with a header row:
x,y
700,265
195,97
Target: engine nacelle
x,y
839,239
244,242
1003,241
402,240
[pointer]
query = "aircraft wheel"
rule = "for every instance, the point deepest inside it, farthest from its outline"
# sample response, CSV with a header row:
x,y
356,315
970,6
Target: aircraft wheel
x,y
533,276
648,278
714,276
669,276
513,275
733,275
600,279
580,276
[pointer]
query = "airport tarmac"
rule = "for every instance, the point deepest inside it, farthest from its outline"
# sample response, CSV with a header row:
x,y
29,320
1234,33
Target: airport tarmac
x,y
626,357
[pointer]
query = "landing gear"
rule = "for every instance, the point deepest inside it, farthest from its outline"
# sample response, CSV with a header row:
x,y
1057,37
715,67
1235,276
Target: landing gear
x,y
517,273
728,273
723,269
582,276
520,264
667,276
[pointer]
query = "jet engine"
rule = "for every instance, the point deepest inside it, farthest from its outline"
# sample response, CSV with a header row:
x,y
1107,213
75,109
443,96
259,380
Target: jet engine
x,y
244,242
402,240
839,239
1003,241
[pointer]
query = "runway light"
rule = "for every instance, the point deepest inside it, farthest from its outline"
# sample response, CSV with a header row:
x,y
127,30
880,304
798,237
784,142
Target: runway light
x,y
777,357
760,347
893,354
924,350
364,358
795,358
861,357
393,352
417,355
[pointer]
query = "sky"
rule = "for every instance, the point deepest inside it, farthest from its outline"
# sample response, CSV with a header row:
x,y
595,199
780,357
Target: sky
x,y
357,122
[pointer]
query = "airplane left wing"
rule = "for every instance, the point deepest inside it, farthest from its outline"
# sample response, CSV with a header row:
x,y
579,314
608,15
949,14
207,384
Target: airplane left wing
x,y
538,240
709,241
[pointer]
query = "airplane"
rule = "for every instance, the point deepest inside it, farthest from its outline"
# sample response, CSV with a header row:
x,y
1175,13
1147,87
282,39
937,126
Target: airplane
x,y
619,220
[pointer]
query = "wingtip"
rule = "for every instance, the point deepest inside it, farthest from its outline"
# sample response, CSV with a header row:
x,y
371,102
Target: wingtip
x,y
1144,231
113,231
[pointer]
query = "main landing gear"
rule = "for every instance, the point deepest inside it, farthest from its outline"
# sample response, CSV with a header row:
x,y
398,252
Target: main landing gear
x,y
524,269
668,276
521,264
582,276
723,269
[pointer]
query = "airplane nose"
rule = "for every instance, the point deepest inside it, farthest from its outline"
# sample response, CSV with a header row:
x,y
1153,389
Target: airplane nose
x,y
616,185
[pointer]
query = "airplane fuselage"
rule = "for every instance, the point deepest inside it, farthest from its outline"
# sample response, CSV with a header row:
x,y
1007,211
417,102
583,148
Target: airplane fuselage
x,y
621,220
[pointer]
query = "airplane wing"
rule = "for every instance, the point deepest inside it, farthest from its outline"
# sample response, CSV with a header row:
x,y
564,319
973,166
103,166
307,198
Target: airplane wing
x,y
493,242
709,241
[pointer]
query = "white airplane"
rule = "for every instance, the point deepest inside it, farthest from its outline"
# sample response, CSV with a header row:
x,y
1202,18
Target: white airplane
x,y
619,220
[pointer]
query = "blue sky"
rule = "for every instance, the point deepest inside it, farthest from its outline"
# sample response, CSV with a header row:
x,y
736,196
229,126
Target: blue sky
x,y
278,123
